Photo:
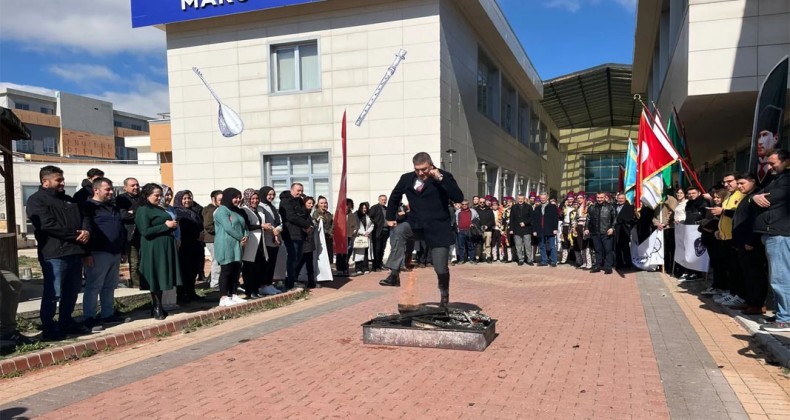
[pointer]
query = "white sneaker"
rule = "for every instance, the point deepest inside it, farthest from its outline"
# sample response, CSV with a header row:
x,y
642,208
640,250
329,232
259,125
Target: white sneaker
x,y
723,297
225,301
712,291
735,301
236,299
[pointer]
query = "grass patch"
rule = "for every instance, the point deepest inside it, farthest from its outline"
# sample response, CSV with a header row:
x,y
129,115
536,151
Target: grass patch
x,y
163,334
27,325
27,348
14,374
35,266
87,353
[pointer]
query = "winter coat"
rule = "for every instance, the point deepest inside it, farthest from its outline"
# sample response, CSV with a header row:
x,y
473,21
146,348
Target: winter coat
x,y
775,220
56,218
294,216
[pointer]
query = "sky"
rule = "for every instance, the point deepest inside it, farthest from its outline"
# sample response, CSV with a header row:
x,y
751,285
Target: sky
x,y
88,47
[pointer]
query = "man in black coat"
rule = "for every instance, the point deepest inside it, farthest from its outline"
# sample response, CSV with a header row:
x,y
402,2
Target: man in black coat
x,y
429,191
62,233
128,202
624,221
381,232
86,192
600,220
297,225
521,228
545,222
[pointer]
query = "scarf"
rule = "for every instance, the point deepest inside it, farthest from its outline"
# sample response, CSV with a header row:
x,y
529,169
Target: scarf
x,y
245,202
227,200
262,194
185,212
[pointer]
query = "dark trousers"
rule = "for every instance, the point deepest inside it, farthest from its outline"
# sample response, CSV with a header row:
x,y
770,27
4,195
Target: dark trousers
x,y
330,248
379,243
307,261
188,257
268,270
294,250
496,242
604,255
399,239
229,278
254,271
465,248
62,283
731,269
754,271
622,251
133,255
669,250
716,255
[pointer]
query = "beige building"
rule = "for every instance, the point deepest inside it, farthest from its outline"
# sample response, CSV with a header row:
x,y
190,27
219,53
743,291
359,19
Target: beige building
x,y
708,59
466,93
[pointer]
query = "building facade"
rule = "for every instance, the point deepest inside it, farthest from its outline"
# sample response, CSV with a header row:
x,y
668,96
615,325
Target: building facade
x,y
708,59
466,93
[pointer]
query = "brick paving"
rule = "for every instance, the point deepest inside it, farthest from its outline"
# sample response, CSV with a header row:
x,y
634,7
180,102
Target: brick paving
x,y
570,345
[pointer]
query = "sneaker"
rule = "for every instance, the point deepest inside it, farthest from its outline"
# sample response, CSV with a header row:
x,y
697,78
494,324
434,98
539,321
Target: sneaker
x,y
683,276
723,297
237,299
116,319
94,325
712,291
226,301
776,327
270,290
730,300
735,301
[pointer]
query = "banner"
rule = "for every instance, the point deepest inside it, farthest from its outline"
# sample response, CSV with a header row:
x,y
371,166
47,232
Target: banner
x,y
768,117
323,268
339,230
689,250
649,254
629,180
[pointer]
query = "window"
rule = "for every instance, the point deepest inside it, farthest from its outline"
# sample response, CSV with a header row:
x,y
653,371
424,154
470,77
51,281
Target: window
x,y
544,139
137,127
602,172
534,143
24,146
487,87
27,191
295,67
50,146
509,105
310,169
24,107
523,122
555,142
45,110
117,123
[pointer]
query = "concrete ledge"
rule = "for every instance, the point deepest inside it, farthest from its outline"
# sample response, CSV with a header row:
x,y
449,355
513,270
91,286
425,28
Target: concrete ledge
x,y
73,351
779,352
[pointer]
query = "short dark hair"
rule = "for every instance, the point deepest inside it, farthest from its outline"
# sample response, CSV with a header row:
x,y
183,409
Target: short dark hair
x,y
92,172
100,180
48,171
782,154
349,203
747,175
693,188
215,193
422,157
732,174
307,198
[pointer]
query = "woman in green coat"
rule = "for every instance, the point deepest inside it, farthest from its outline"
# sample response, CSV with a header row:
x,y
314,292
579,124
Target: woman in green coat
x,y
230,224
158,252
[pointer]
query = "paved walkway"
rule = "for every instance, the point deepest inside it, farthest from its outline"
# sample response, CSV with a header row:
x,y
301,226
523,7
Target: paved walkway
x,y
570,345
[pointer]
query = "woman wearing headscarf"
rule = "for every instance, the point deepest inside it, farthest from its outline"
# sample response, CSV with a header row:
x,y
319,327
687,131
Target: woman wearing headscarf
x,y
364,229
308,248
255,254
159,268
271,239
169,298
190,253
230,224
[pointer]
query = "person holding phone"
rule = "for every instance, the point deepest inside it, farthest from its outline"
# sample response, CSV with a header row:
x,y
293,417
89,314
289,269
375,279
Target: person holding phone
x,y
429,191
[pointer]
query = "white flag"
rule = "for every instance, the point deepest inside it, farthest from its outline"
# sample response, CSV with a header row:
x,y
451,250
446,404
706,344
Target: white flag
x,y
689,250
649,254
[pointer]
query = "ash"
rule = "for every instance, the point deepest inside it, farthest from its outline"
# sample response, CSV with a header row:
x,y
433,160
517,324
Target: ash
x,y
435,318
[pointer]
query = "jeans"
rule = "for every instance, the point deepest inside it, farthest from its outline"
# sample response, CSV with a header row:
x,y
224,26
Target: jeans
x,y
604,255
552,242
100,282
777,248
294,250
62,282
523,247
214,266
465,247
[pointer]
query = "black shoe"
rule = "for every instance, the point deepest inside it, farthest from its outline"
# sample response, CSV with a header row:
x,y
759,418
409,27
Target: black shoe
x,y
488,260
116,319
595,270
474,262
531,264
391,280
444,301
93,325
159,313
607,271
521,263
79,328
554,265
53,335
542,265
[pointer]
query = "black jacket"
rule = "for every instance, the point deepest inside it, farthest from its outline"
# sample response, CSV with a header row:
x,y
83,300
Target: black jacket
x,y
429,212
775,220
487,218
521,213
545,220
128,205
625,220
600,219
377,216
295,217
85,193
108,233
695,211
743,223
56,218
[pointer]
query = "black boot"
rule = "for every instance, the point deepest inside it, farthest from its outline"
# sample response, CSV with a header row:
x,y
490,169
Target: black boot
x,y
157,311
444,290
392,280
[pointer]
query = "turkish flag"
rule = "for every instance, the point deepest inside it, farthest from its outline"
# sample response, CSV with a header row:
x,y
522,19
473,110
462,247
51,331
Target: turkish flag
x,y
339,228
655,154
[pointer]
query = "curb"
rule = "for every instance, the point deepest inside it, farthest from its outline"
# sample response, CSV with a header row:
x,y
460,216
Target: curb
x,y
765,339
67,352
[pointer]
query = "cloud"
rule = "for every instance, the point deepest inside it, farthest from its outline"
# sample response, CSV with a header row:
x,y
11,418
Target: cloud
x,y
142,96
574,6
82,73
94,26
28,88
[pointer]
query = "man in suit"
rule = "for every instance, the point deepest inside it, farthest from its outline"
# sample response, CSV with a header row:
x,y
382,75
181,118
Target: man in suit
x,y
521,229
601,230
545,220
429,191
624,221
381,232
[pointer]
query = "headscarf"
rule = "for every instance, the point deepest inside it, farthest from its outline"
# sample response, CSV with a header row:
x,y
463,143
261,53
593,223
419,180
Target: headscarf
x,y
262,194
227,201
162,203
246,196
185,212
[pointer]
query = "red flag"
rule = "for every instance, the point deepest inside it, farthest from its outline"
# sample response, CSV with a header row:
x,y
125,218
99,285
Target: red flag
x,y
655,154
621,179
339,230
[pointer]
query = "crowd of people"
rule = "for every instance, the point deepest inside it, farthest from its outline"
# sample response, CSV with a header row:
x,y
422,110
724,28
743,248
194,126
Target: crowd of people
x,y
162,236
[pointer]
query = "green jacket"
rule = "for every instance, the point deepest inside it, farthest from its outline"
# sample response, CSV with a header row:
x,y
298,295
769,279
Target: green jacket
x,y
230,228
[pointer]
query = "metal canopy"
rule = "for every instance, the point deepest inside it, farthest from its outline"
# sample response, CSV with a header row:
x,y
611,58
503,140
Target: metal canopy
x,y
596,97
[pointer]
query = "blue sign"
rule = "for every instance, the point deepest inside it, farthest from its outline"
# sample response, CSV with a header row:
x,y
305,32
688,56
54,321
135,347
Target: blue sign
x,y
156,12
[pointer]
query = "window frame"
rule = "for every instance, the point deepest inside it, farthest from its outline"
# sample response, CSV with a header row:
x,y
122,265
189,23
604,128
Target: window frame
x,y
54,146
273,72
612,180
268,179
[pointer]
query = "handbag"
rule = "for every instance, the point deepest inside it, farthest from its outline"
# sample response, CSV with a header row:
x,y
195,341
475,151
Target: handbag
x,y
475,233
361,242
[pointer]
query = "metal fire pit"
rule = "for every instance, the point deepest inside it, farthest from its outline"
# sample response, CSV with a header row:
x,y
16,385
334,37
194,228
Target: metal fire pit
x,y
433,328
